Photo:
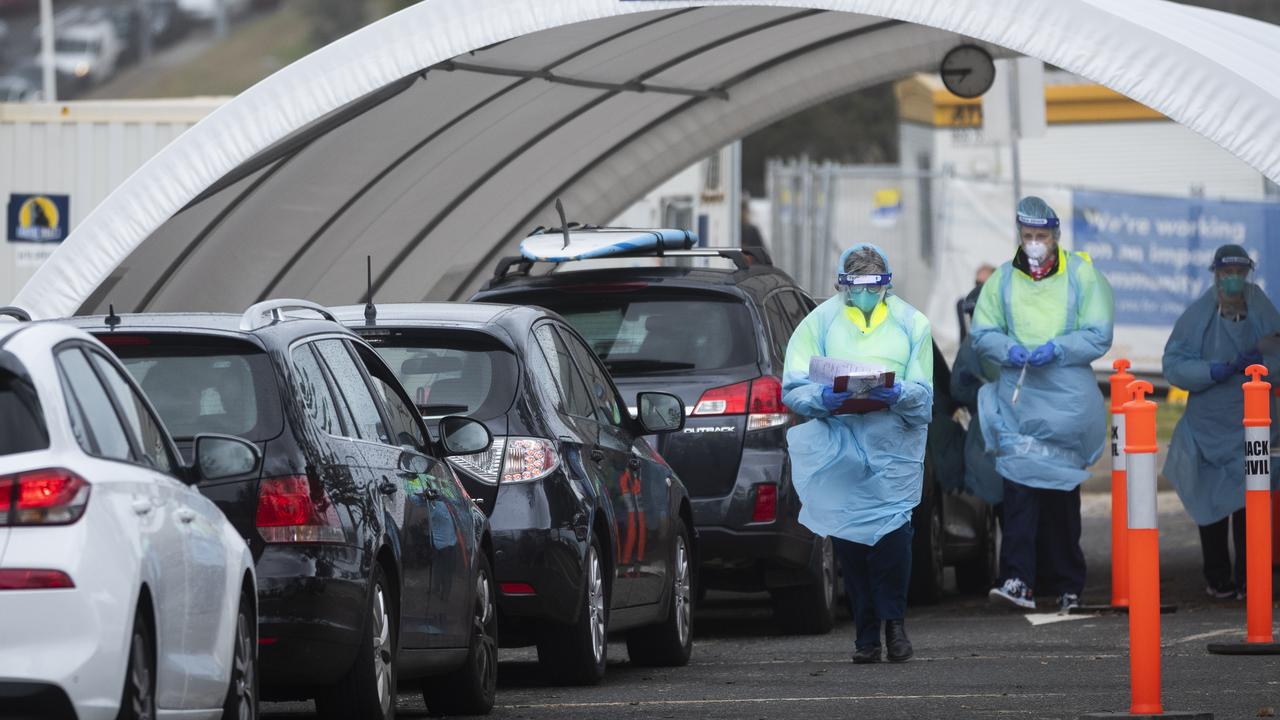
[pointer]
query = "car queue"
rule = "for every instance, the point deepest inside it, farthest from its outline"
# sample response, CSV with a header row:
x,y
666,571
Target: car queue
x,y
408,486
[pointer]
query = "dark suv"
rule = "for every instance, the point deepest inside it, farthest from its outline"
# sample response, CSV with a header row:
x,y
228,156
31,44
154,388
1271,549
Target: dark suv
x,y
716,335
372,561
592,531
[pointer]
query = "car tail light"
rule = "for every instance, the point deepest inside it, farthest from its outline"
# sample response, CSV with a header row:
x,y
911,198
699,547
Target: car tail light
x,y
766,509
290,510
516,589
513,459
22,579
759,399
43,497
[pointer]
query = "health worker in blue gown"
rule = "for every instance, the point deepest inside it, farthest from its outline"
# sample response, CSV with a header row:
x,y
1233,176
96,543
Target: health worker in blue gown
x,y
859,475
1211,345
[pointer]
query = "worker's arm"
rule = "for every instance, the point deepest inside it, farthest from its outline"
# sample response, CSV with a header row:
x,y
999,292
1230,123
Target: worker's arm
x,y
1095,320
990,327
916,404
798,393
1184,364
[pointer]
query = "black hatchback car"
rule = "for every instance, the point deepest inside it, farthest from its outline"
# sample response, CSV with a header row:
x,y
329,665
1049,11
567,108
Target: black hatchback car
x,y
373,563
716,335
592,531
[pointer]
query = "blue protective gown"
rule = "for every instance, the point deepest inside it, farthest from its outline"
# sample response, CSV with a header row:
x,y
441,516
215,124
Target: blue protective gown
x,y
859,476
1206,454
1058,428
968,375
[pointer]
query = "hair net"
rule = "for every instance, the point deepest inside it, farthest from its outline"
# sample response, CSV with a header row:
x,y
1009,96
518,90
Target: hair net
x,y
1035,212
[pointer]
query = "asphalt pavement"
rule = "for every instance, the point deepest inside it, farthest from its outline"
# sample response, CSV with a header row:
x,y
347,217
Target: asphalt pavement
x,y
972,660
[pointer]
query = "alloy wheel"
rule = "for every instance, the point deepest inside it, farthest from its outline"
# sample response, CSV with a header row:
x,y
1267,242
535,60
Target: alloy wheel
x,y
244,669
595,604
487,648
382,649
141,699
828,572
682,591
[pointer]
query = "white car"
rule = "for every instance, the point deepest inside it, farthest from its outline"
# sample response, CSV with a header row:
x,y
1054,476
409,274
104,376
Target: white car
x,y
124,592
87,51
207,10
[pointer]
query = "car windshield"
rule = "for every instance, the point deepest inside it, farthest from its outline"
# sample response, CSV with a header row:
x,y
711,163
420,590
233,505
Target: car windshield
x,y
73,45
641,333
450,372
201,385
22,427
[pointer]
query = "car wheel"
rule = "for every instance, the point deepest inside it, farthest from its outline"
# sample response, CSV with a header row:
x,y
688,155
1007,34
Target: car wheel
x,y
670,643
978,573
138,702
242,691
927,565
576,654
368,690
810,609
470,689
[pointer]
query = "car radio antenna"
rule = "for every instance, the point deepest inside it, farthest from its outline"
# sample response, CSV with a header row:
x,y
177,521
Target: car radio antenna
x,y
370,312
564,224
112,318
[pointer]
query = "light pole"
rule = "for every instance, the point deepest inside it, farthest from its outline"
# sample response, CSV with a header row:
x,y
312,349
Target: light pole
x,y
46,51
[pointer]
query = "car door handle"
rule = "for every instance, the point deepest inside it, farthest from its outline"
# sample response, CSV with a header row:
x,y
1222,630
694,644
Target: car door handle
x,y
185,515
387,487
634,463
142,507
597,455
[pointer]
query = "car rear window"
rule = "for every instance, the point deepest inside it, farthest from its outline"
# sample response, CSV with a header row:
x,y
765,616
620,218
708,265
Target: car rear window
x,y
450,372
22,427
203,384
642,333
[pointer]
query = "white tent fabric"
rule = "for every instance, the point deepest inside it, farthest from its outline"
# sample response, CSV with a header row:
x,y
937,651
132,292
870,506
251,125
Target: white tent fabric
x,y
435,138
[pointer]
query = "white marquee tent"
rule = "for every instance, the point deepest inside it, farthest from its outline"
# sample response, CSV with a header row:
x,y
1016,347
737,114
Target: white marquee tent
x,y
436,138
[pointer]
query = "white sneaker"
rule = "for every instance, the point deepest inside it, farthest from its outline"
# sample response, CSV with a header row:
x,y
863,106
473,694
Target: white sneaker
x,y
1067,601
1014,592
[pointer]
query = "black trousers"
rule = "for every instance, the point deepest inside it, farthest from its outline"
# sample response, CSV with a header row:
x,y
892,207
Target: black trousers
x,y
1042,539
1217,556
876,579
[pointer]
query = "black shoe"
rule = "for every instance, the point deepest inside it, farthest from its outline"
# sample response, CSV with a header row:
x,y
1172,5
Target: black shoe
x,y
863,656
895,636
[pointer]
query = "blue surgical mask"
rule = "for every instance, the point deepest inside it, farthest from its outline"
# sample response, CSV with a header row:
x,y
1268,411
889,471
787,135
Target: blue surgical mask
x,y
1231,285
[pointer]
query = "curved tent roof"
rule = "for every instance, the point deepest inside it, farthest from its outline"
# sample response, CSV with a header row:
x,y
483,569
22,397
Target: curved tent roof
x,y
435,138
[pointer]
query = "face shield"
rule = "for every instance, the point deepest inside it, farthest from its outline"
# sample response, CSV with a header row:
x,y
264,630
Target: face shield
x,y
863,290
1038,236
1231,277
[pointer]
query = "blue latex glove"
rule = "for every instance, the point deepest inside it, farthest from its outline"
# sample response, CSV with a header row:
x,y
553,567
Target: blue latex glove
x,y
1221,371
1018,356
1042,355
887,395
1247,358
831,400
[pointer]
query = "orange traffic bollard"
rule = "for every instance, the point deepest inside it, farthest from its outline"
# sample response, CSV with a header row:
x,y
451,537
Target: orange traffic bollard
x,y
1119,498
1257,503
1144,559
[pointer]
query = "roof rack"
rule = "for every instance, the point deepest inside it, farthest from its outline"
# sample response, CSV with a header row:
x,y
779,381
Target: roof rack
x,y
274,311
740,257
16,313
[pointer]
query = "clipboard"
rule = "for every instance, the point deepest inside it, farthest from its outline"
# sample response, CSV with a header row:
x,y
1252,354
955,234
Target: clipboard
x,y
859,406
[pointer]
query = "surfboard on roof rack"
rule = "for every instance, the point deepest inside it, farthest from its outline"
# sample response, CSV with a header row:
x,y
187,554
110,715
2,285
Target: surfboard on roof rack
x,y
549,245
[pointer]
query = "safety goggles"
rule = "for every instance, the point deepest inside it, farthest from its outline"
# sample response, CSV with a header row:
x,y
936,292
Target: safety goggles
x,y
1037,222
861,280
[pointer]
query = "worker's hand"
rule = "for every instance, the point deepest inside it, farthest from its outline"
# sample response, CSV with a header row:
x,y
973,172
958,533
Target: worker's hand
x,y
1043,355
1018,356
887,395
1221,371
832,400
1247,358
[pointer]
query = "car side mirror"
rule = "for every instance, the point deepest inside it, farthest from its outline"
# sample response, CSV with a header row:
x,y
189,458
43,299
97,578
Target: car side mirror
x,y
223,456
413,463
464,436
660,412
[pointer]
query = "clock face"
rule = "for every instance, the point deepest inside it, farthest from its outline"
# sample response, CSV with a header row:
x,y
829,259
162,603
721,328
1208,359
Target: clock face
x,y
968,71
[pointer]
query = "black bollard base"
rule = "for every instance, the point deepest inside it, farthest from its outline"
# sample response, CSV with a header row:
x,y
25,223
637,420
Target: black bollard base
x,y
1166,715
1245,648
1114,610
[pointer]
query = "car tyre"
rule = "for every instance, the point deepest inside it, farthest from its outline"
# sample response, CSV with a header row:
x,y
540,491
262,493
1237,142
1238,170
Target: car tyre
x,y
242,691
670,643
577,654
810,609
368,690
927,560
470,689
138,700
978,573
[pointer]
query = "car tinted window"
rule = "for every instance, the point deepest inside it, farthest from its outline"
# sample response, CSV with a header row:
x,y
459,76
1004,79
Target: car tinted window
x,y
313,391
449,372
795,307
146,432
22,427
780,326
577,401
642,333
106,435
599,387
405,422
203,384
354,390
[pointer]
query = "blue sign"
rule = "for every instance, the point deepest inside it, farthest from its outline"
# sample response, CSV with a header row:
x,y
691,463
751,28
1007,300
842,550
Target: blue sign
x,y
38,218
1156,251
